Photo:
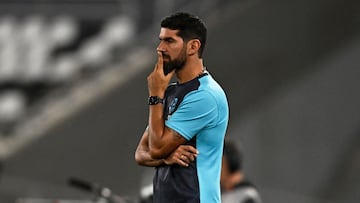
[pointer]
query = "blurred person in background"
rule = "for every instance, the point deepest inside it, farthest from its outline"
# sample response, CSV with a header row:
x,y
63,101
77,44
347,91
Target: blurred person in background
x,y
187,119
235,187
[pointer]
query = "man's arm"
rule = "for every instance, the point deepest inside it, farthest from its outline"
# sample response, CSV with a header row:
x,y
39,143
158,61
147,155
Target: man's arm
x,y
142,155
182,155
162,140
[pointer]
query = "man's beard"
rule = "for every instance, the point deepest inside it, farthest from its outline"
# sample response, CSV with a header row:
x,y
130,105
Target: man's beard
x,y
176,64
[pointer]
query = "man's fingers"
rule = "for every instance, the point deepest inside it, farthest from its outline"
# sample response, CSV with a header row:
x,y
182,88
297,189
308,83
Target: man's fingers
x,y
184,155
191,157
159,64
160,61
191,149
182,161
160,56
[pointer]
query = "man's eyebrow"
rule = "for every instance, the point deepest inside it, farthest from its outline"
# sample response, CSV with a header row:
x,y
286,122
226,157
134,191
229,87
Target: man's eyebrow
x,y
166,38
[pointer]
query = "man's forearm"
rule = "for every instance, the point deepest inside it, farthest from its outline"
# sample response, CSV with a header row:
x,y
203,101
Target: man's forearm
x,y
142,154
143,158
156,127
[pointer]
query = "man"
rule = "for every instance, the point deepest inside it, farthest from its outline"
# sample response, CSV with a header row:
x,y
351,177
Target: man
x,y
187,119
235,188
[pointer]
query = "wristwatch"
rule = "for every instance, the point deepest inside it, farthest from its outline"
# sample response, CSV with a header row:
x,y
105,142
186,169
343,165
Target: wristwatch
x,y
153,100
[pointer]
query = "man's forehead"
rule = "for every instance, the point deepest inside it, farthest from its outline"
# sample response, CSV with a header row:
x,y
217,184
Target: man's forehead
x,y
166,32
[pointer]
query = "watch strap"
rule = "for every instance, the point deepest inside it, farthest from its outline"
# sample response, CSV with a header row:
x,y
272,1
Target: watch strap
x,y
153,100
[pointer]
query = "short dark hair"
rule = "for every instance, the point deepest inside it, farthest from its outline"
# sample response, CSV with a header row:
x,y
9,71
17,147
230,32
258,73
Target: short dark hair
x,y
233,155
189,26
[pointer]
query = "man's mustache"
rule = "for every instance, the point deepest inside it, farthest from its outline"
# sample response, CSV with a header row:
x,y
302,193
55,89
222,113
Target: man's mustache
x,y
165,55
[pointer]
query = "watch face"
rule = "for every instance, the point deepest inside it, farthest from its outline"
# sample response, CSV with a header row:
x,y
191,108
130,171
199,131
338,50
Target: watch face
x,y
153,100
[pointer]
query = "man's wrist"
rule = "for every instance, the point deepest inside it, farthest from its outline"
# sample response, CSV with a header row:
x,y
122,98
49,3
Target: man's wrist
x,y
153,100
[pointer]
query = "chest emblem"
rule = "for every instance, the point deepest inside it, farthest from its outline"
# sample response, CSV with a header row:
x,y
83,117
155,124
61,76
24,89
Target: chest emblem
x,y
172,105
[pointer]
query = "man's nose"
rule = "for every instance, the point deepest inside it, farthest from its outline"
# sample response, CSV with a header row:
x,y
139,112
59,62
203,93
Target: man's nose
x,y
160,47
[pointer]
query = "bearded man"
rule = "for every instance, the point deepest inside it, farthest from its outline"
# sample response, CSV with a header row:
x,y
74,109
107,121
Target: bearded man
x,y
187,119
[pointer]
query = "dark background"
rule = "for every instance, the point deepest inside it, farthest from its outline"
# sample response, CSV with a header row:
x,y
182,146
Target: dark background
x,y
290,70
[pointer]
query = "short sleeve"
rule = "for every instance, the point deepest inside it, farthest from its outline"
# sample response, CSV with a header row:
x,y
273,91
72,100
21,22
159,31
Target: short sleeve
x,y
197,110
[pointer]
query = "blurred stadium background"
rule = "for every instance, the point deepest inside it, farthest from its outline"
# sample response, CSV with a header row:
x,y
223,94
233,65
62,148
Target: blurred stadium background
x,y
73,93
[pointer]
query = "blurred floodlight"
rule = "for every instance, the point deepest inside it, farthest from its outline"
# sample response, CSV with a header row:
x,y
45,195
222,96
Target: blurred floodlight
x,y
64,68
118,30
94,53
33,29
7,28
8,61
12,105
35,66
63,30
8,48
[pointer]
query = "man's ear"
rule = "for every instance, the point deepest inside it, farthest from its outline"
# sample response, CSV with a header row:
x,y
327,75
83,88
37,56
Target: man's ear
x,y
193,46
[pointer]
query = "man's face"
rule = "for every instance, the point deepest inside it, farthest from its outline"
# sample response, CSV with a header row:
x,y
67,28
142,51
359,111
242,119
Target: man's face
x,y
173,49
